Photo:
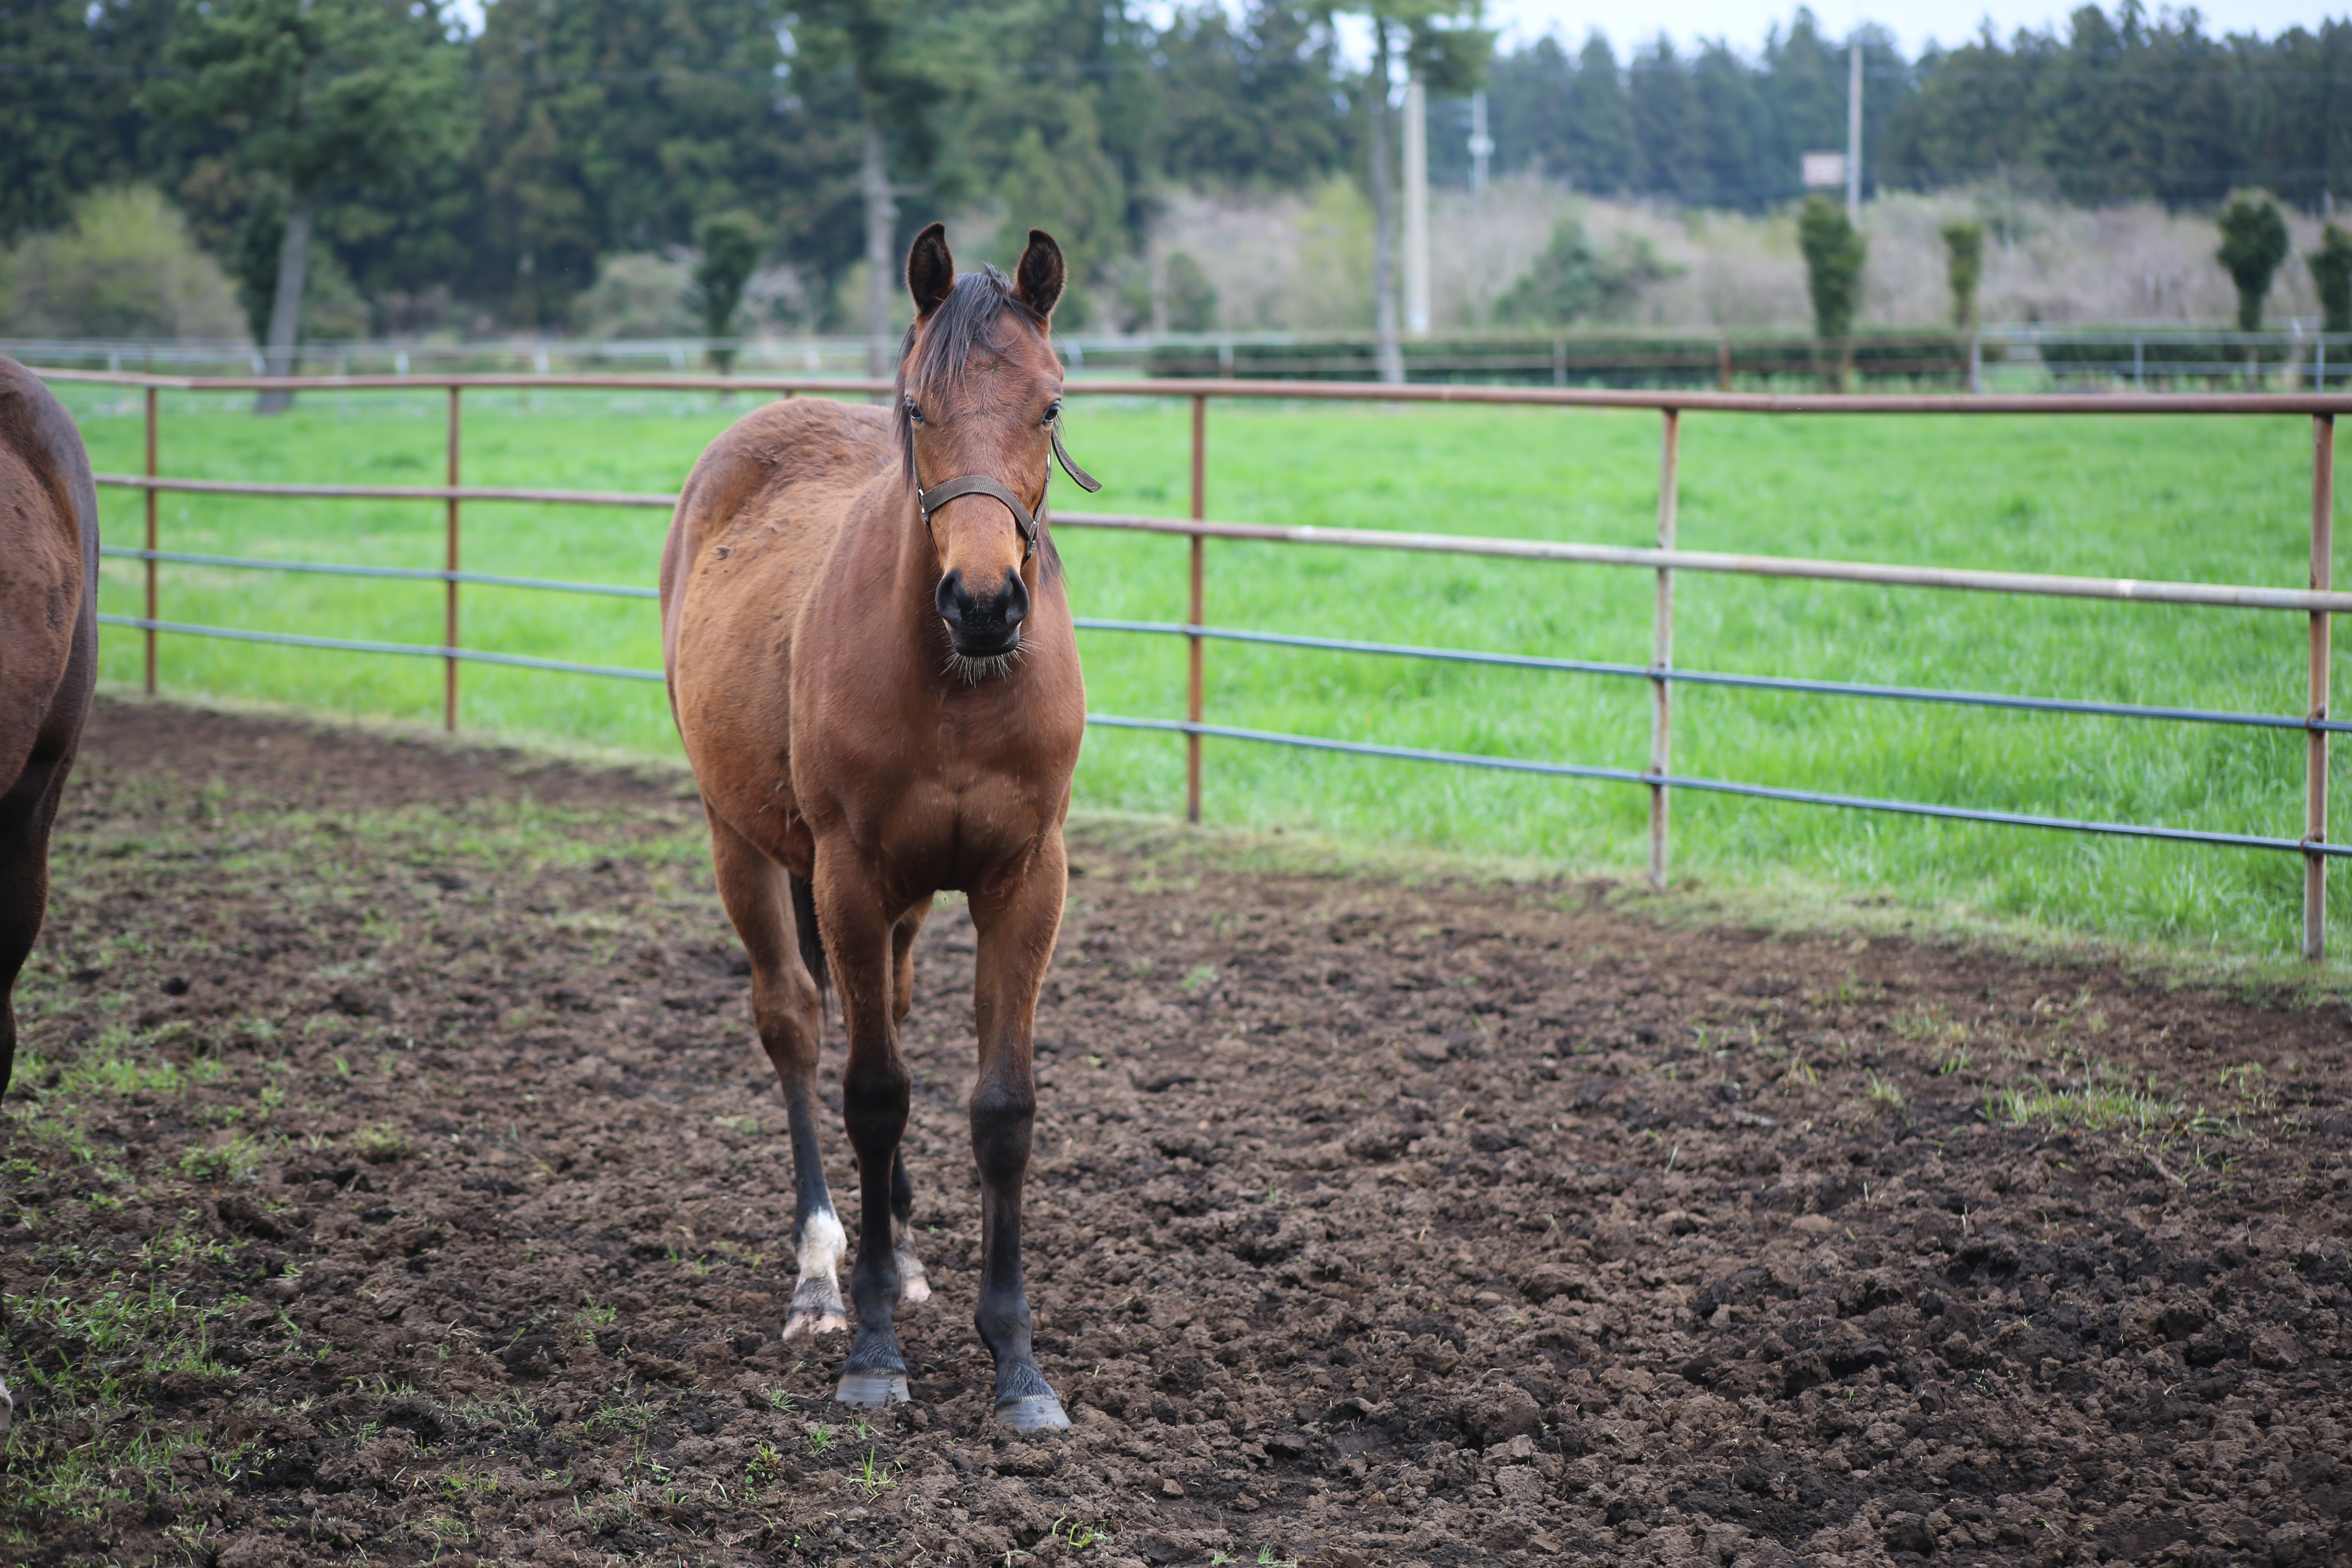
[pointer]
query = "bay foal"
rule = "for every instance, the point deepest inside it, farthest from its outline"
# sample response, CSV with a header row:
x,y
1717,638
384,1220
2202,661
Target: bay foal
x,y
871,664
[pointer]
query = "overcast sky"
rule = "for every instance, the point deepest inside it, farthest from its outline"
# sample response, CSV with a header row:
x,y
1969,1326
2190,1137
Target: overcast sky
x,y
1914,22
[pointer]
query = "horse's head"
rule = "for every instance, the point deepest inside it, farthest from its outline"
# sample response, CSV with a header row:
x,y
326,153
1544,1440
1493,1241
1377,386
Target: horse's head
x,y
979,390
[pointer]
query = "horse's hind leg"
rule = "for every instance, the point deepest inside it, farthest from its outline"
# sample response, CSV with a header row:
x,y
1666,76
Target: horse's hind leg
x,y
26,813
914,1285
788,1010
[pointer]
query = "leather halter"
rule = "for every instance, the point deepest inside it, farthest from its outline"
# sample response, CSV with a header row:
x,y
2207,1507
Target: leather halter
x,y
939,494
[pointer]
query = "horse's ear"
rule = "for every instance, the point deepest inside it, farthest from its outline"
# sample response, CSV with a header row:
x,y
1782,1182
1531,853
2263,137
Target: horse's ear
x,y
931,269
1037,281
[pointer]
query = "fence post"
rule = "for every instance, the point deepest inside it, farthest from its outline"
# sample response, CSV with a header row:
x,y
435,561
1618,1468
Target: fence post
x,y
1722,363
449,622
1194,612
151,545
1662,698
2315,764
1976,365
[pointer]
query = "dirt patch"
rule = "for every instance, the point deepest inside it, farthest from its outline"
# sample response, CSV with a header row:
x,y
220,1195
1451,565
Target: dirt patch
x,y
395,1182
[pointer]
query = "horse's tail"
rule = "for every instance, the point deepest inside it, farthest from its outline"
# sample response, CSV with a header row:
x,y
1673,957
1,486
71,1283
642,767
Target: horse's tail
x,y
804,923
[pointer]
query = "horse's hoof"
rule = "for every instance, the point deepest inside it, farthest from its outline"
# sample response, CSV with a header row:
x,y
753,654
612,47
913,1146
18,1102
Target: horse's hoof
x,y
805,1323
914,1288
1032,1413
871,1390
816,1309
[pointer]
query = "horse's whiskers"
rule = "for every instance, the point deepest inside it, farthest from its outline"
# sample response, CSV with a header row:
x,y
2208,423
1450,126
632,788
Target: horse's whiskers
x,y
975,670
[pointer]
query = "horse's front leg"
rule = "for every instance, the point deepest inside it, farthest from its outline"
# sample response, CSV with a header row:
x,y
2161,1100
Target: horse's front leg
x,y
874,1096
1017,915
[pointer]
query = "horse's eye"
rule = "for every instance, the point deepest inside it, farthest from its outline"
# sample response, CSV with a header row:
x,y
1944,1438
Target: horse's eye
x,y
1052,411
914,411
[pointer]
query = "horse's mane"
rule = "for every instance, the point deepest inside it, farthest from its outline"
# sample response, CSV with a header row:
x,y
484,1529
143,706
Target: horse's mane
x,y
969,317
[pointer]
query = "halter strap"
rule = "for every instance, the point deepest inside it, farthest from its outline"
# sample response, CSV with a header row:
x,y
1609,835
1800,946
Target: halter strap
x,y
1078,475
939,494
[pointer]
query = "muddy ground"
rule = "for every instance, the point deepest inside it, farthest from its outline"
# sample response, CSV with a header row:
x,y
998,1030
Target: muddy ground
x,y
394,1181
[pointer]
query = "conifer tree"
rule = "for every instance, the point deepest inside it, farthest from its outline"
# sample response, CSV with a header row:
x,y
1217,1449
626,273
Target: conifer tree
x,y
2253,243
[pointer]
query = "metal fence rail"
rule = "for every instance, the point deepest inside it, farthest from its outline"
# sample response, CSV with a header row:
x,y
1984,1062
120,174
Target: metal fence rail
x,y
358,645
1716,786
2318,602
412,573
1714,678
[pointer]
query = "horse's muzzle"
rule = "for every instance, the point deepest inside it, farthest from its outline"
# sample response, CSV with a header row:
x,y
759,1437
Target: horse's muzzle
x,y
982,628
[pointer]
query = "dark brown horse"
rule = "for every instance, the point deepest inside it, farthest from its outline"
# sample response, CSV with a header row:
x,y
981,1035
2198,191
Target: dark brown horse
x,y
49,661
871,663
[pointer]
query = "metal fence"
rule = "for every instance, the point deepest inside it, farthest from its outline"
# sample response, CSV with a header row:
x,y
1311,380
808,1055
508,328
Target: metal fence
x,y
2317,602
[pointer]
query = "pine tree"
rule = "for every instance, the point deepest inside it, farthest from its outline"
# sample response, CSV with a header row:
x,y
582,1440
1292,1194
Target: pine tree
x,y
2253,243
1964,266
2331,269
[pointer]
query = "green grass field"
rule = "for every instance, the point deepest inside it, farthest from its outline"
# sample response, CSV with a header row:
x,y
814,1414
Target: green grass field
x,y
2211,499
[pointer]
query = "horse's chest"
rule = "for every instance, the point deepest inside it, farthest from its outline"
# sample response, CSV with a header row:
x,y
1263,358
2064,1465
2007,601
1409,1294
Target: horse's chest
x,y
940,817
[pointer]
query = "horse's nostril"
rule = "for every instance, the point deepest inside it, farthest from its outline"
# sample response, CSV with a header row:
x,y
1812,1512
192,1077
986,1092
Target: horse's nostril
x,y
1015,600
951,600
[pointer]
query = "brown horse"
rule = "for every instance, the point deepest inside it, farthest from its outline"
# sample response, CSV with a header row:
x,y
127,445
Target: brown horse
x,y
871,664
49,661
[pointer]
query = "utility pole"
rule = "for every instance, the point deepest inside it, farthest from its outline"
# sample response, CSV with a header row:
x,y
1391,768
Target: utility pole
x,y
1417,207
881,218
1482,146
1854,132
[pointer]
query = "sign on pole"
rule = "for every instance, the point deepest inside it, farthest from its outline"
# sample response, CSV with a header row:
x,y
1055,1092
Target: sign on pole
x,y
1824,171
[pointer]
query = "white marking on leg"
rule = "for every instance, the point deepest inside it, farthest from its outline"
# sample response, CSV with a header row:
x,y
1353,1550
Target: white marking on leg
x,y
8,1410
914,1285
817,1297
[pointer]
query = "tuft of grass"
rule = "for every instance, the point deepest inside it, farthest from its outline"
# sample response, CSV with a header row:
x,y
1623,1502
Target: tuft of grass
x,y
2093,1096
623,1413
1885,1091
234,1159
379,1145
1079,1534
1801,1076
872,1476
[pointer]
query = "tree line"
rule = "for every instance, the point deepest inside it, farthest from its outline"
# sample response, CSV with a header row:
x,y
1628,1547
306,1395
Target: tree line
x,y
2112,106
489,173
